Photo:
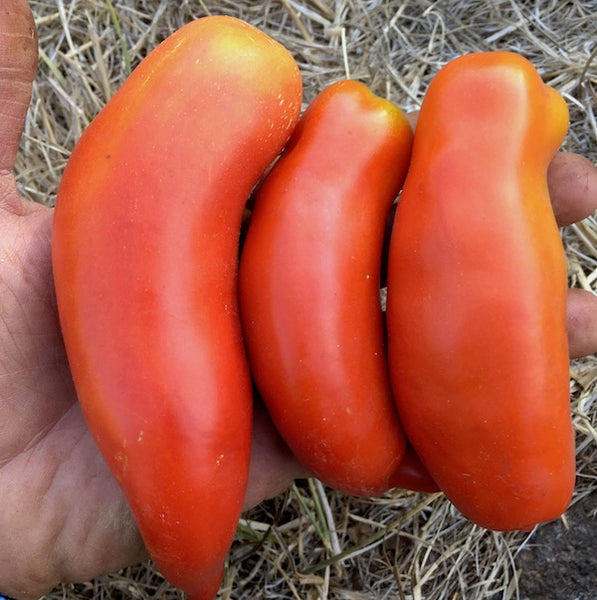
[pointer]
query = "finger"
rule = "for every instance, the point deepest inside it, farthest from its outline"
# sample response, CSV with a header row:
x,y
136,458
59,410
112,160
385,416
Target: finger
x,y
273,466
572,181
582,322
18,63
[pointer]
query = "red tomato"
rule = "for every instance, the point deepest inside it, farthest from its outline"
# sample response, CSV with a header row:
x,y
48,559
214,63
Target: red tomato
x,y
145,253
309,288
476,306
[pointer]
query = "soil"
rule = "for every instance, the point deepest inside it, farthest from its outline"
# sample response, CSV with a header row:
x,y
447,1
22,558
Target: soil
x,y
560,561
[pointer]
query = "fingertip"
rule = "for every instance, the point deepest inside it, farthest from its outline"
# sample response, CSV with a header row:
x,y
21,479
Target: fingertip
x,y
18,37
572,180
18,65
582,322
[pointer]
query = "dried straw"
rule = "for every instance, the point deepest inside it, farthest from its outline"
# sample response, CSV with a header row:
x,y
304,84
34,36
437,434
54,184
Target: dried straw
x,y
311,542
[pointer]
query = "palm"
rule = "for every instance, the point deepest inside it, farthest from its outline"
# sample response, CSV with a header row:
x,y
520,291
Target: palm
x,y
62,515
62,509
51,472
58,498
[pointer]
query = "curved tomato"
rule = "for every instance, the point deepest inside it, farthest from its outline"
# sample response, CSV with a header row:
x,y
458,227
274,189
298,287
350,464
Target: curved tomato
x,y
309,287
476,306
145,253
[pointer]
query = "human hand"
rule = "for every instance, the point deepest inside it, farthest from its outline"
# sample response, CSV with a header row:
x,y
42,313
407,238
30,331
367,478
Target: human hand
x,y
62,516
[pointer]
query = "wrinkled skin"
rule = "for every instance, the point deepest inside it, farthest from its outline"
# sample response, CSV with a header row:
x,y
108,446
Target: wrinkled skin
x,y
62,515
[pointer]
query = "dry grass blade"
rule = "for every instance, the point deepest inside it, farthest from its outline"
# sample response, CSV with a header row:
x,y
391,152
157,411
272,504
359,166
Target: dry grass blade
x,y
312,542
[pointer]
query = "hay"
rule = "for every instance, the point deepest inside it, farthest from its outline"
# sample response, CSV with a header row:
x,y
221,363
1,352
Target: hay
x,y
311,542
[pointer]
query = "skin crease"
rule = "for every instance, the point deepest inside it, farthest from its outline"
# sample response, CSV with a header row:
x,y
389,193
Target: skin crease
x,y
62,515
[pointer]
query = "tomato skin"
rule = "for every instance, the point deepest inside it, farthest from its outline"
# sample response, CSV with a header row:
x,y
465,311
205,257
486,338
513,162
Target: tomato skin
x,y
309,288
145,255
476,299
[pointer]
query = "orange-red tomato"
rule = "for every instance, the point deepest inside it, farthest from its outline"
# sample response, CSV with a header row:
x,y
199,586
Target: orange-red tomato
x,y
309,288
476,306
145,253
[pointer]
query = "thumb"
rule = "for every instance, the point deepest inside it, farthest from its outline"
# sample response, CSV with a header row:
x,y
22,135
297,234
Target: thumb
x,y
18,63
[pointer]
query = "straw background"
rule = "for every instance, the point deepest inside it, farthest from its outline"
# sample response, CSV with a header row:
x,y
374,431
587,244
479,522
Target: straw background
x,y
311,542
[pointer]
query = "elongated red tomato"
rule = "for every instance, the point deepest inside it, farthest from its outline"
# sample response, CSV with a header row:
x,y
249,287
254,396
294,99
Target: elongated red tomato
x,y
309,287
145,252
476,307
